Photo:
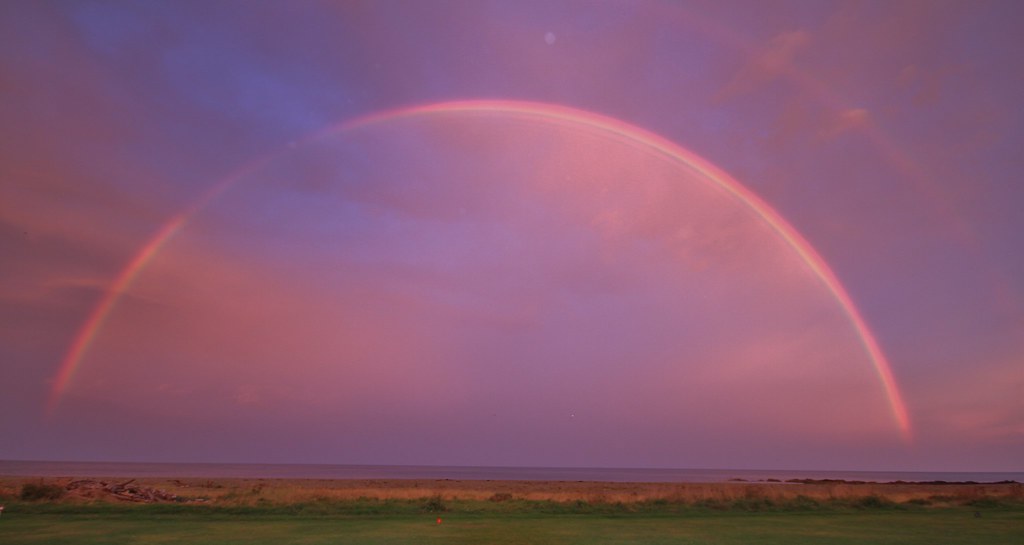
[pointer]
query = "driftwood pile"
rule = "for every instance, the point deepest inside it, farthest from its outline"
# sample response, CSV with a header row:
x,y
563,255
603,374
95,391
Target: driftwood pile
x,y
123,491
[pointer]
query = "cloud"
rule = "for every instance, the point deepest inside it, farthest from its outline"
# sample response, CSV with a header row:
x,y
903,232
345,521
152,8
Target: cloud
x,y
924,85
766,64
954,407
844,121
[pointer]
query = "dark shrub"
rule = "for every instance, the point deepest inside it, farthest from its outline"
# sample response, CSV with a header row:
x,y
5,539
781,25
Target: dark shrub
x,y
435,504
40,491
874,502
752,504
986,502
804,503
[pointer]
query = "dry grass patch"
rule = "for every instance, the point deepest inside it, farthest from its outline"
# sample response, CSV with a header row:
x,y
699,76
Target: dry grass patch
x,y
263,492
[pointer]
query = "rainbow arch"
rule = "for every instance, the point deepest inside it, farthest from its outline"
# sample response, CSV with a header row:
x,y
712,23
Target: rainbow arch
x,y
543,112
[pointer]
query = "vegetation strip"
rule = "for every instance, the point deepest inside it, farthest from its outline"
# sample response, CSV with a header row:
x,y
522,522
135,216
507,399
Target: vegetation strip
x,y
398,497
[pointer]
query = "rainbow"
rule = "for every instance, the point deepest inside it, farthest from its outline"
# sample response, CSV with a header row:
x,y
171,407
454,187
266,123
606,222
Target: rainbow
x,y
531,111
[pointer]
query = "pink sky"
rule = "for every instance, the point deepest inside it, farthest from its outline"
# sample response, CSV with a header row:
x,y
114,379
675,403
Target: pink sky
x,y
498,289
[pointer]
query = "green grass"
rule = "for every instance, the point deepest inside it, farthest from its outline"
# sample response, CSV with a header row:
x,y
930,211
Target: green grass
x,y
914,525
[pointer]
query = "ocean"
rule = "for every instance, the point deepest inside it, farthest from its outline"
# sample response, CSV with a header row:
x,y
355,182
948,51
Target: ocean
x,y
461,473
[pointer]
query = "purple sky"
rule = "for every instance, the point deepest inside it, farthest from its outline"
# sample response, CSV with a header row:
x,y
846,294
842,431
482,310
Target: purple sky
x,y
465,288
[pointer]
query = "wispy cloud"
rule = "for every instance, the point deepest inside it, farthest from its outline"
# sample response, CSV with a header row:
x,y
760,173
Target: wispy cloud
x,y
766,64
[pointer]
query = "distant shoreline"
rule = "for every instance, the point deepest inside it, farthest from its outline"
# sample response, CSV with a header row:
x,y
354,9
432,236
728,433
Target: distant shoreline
x,y
465,473
898,482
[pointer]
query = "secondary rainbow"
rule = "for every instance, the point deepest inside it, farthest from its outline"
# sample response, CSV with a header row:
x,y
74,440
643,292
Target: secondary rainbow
x,y
550,113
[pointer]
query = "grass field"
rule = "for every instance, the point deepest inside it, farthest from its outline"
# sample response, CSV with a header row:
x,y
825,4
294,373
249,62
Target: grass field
x,y
924,526
259,511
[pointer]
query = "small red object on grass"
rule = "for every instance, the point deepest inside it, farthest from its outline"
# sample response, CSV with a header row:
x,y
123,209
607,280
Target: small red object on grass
x,y
439,520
